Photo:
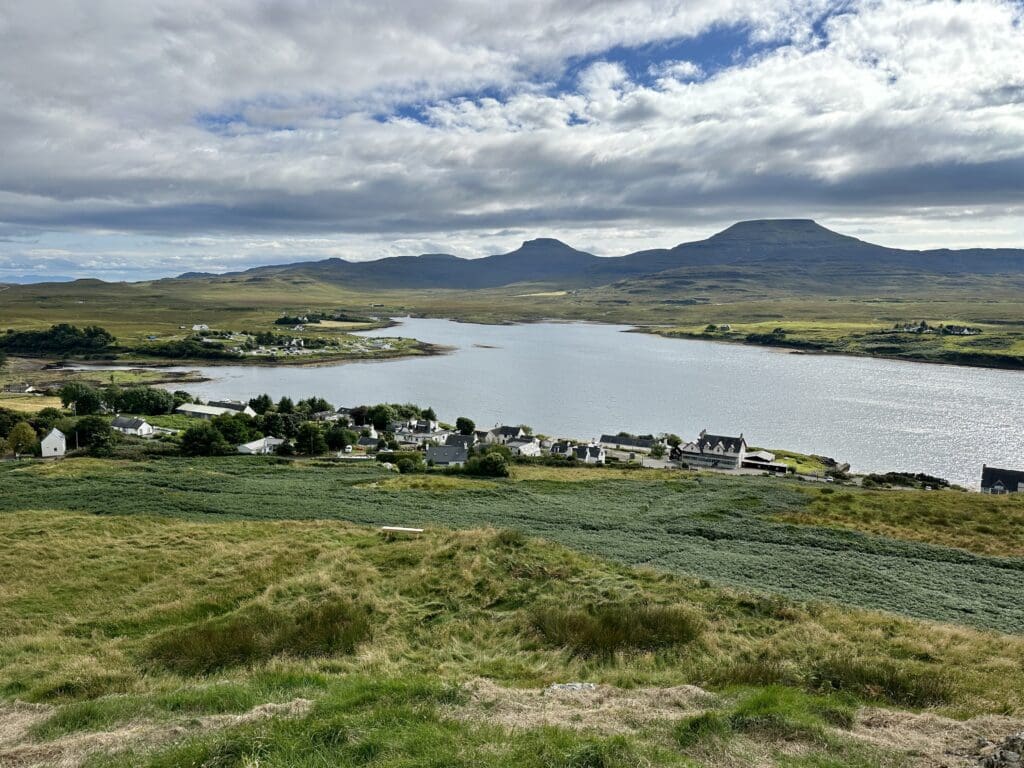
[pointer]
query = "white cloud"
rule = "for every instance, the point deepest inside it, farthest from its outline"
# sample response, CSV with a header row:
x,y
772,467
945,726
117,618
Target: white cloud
x,y
235,119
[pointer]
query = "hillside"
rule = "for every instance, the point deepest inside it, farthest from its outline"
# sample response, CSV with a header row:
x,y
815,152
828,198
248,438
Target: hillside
x,y
196,634
770,245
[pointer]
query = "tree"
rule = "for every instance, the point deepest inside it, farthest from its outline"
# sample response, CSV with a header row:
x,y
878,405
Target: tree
x,y
314,405
465,425
47,418
22,439
204,439
406,466
338,436
674,440
310,439
488,465
657,451
261,404
144,400
236,428
428,413
381,416
181,397
285,405
91,431
271,423
85,399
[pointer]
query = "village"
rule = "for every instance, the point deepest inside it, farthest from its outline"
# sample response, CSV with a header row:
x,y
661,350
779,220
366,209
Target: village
x,y
404,437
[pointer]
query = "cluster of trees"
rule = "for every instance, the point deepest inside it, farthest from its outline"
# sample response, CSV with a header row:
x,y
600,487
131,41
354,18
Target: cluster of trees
x,y
146,401
61,339
20,434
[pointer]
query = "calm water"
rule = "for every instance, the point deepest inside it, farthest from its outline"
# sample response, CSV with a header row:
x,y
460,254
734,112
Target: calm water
x,y
581,380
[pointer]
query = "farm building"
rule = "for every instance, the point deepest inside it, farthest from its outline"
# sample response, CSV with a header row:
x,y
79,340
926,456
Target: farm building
x,y
54,445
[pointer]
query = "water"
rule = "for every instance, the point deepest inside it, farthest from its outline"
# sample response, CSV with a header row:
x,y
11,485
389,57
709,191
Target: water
x,y
580,380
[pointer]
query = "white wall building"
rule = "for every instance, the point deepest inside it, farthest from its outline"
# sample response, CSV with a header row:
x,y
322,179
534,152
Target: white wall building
x,y
54,445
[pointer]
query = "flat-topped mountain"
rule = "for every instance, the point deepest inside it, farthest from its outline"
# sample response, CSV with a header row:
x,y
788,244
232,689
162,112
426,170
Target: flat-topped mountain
x,y
787,243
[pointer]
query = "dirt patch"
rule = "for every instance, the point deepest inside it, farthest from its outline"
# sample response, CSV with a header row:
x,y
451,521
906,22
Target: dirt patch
x,y
580,706
931,741
18,751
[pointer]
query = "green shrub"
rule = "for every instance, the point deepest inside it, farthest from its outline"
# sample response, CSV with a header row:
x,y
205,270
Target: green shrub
x,y
510,537
703,727
604,630
905,684
786,713
257,633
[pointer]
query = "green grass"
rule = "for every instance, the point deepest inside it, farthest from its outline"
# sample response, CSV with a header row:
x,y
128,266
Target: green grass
x,y
159,621
720,528
992,525
847,315
607,629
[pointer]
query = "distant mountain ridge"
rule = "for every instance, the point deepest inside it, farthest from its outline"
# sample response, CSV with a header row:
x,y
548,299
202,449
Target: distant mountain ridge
x,y
786,243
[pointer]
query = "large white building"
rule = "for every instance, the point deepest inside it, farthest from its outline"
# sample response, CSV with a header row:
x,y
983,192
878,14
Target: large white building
x,y
712,451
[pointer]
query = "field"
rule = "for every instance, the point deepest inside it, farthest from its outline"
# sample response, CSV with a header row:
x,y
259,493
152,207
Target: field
x,y
246,611
848,317
724,529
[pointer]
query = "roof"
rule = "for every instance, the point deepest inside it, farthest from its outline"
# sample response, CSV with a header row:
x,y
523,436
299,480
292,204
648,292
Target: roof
x,y
54,433
507,431
562,446
1011,479
127,422
523,441
231,405
462,441
730,444
366,440
583,451
206,410
447,454
633,441
263,442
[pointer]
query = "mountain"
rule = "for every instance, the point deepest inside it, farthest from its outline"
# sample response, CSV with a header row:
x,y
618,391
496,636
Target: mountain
x,y
774,245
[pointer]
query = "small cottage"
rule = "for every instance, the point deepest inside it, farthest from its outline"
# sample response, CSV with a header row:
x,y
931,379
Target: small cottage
x,y
54,445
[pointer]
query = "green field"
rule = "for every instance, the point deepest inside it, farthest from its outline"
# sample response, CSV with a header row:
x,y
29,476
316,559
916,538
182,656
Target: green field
x,y
712,526
246,611
849,316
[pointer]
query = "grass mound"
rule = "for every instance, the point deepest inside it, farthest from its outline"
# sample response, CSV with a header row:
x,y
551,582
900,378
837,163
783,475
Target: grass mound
x,y
604,630
257,633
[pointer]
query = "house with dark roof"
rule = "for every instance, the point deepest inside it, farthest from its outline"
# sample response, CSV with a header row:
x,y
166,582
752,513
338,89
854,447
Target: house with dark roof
x,y
505,435
528,446
446,455
995,480
562,448
589,454
130,425
711,451
460,440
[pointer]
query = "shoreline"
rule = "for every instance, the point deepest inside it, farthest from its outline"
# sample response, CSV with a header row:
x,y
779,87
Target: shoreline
x,y
782,348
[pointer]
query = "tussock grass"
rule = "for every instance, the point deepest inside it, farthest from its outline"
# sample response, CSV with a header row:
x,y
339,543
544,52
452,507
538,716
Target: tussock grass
x,y
257,633
608,629
990,525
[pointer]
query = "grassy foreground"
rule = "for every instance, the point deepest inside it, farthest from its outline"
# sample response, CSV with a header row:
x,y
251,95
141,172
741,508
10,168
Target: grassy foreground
x,y
730,530
189,641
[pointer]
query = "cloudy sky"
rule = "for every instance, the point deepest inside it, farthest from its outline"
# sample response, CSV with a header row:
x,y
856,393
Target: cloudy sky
x,y
151,138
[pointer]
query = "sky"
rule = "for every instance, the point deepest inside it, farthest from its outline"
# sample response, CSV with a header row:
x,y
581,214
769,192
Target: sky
x,y
147,139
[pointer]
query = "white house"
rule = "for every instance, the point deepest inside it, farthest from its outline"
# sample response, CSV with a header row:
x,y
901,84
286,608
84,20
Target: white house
x,y
261,447
526,447
200,327
127,425
54,445
446,455
505,435
712,451
590,454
